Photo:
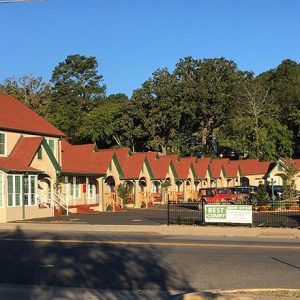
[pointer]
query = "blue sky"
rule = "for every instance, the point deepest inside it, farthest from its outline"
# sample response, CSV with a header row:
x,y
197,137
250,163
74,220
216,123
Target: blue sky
x,y
132,38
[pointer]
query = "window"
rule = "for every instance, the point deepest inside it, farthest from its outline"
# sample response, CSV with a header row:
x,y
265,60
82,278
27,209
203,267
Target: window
x,y
75,187
91,190
1,190
40,153
2,144
51,144
14,190
30,190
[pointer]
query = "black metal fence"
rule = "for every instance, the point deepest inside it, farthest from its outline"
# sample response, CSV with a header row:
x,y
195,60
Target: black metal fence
x,y
279,214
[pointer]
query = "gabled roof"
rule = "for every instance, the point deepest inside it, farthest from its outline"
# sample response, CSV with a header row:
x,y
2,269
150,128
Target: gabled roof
x,y
201,168
81,159
18,117
25,149
253,166
159,164
22,155
8,164
78,160
217,166
121,153
231,169
133,166
183,167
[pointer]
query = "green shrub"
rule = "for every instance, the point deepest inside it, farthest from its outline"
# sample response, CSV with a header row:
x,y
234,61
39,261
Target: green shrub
x,y
262,195
123,192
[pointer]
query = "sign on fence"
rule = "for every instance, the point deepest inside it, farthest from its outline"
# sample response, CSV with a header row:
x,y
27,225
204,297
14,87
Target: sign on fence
x,y
228,214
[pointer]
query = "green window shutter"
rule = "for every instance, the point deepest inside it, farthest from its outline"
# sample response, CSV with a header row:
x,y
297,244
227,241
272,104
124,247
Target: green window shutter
x,y
40,153
10,190
2,143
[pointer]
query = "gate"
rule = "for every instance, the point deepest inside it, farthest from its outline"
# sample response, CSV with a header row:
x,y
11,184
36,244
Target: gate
x,y
280,214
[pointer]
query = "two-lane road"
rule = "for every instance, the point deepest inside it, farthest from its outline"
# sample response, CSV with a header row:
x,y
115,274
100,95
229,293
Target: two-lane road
x,y
147,261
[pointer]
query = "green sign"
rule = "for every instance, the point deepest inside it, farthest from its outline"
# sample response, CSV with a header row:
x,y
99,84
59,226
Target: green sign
x,y
228,214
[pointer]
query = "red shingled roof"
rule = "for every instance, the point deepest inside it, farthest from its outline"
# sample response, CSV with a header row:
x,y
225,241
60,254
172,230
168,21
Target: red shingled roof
x,y
216,166
201,168
79,159
121,153
231,169
18,117
25,149
22,155
297,163
133,166
253,166
10,164
159,164
182,168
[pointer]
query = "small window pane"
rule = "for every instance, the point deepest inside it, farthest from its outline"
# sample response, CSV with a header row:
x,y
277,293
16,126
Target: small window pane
x,y
2,143
32,189
10,190
26,191
40,156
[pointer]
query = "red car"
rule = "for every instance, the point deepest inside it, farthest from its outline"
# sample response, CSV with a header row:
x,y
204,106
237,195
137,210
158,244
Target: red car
x,y
217,196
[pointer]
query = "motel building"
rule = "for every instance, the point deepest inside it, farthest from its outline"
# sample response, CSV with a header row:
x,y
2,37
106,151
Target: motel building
x,y
30,162
42,175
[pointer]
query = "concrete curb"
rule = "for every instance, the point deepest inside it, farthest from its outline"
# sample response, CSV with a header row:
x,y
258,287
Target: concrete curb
x,y
208,296
292,233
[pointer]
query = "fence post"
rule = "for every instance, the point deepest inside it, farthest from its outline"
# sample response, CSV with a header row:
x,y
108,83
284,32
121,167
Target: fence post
x,y
202,212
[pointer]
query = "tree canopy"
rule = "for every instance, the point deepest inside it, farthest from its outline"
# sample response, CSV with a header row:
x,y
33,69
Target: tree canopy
x,y
201,107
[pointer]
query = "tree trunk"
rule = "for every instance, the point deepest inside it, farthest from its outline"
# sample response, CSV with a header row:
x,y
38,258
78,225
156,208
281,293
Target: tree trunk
x,y
207,137
163,149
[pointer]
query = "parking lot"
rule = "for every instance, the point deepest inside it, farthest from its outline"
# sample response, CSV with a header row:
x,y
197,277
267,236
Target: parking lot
x,y
156,215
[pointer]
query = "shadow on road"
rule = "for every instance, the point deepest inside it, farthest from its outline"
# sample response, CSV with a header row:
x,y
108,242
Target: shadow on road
x,y
85,265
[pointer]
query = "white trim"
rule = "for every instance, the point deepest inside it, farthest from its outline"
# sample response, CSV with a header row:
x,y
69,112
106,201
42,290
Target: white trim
x,y
14,190
35,195
2,189
55,147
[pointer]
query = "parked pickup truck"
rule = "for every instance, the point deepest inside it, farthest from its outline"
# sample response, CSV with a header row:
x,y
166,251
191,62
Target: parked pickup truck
x,y
217,196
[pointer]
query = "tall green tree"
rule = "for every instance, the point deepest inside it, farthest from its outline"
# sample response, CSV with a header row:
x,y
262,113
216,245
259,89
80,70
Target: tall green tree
x,y
255,128
101,124
158,111
77,90
284,85
208,88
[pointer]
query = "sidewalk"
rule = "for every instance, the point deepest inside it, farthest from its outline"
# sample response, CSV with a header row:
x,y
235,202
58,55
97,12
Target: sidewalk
x,y
258,232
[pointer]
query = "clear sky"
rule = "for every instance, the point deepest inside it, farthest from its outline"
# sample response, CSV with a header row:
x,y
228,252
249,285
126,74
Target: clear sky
x,y
132,38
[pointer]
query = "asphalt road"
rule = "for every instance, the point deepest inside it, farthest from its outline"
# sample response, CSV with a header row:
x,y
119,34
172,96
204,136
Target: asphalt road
x,y
147,262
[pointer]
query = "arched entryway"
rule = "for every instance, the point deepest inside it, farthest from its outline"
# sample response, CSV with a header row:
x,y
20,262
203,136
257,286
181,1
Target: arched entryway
x,y
245,181
143,184
44,189
110,184
155,187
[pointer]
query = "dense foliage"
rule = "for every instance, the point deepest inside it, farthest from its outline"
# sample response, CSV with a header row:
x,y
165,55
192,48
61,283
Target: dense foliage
x,y
203,107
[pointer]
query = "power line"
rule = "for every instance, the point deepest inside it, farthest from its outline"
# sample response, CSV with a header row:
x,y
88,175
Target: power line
x,y
18,1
